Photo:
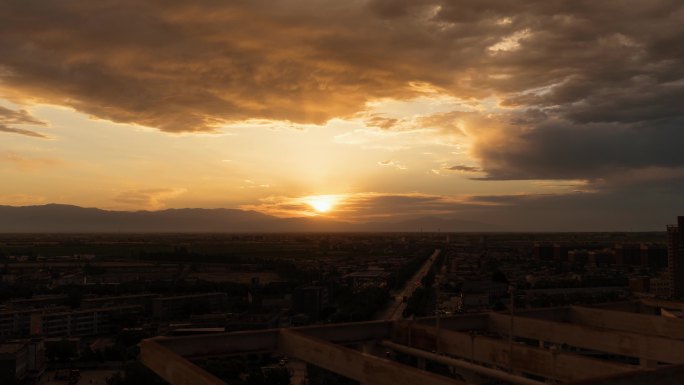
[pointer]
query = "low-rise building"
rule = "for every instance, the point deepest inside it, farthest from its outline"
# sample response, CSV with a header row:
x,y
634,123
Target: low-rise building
x,y
86,322
64,322
38,302
143,300
310,300
13,361
640,285
660,287
179,307
367,278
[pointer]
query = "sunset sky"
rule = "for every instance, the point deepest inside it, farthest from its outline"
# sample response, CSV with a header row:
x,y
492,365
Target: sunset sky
x,y
543,114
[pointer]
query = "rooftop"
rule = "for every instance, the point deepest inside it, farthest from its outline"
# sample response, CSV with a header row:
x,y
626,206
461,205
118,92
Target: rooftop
x,y
11,347
618,343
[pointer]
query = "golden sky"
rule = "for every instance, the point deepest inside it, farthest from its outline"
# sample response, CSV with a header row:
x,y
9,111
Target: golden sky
x,y
356,110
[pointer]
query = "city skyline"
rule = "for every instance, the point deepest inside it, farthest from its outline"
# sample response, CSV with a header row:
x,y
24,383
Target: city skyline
x,y
537,116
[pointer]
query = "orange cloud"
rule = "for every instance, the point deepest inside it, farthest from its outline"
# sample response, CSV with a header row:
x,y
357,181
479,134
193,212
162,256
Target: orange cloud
x,y
10,118
371,206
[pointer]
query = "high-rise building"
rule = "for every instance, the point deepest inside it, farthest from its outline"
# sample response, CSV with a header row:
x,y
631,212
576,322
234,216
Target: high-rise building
x,y
675,258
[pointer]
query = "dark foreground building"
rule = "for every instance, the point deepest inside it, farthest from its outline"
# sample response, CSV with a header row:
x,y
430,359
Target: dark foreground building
x,y
624,343
675,258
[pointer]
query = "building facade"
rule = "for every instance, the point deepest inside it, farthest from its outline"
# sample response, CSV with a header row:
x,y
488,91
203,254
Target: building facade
x,y
675,258
64,322
181,307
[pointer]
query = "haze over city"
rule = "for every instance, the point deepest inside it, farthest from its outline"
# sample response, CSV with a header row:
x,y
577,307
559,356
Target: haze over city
x,y
536,115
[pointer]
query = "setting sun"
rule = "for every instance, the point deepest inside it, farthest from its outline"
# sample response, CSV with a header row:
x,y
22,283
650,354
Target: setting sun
x,y
322,203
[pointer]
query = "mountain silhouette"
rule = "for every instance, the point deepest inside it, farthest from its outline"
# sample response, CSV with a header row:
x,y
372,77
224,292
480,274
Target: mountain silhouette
x,y
58,218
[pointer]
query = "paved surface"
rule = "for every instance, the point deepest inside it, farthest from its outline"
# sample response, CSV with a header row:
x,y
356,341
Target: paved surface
x,y
395,310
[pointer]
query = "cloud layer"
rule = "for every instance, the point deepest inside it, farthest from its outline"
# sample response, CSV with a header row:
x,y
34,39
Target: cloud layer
x,y
10,118
182,66
642,208
148,199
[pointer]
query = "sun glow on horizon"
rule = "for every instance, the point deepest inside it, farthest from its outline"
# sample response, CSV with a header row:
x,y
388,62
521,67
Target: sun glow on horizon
x,y
322,203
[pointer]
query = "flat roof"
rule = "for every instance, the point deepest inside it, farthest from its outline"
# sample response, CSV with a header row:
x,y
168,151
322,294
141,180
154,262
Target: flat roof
x,y
11,347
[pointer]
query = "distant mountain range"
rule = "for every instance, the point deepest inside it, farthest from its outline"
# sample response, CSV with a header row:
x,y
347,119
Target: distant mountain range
x,y
56,218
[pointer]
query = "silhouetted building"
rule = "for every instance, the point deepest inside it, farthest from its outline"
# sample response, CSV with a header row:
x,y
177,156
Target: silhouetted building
x,y
144,300
660,287
367,277
578,256
23,361
675,258
651,255
64,322
654,255
255,318
601,257
36,360
548,252
542,252
16,323
310,300
84,322
181,307
560,252
628,254
13,361
38,302
469,343
640,285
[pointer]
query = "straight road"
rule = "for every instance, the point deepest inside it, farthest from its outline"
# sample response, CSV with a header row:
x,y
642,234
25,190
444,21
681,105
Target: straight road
x,y
396,309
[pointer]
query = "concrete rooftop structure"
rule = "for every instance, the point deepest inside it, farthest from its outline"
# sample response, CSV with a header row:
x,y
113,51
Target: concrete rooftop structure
x,y
623,343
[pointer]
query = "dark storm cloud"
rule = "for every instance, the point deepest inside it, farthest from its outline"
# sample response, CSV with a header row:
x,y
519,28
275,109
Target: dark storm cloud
x,y
647,205
609,83
9,118
644,207
567,150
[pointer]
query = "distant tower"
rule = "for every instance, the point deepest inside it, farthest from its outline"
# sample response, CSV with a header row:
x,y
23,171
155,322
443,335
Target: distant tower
x,y
675,258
